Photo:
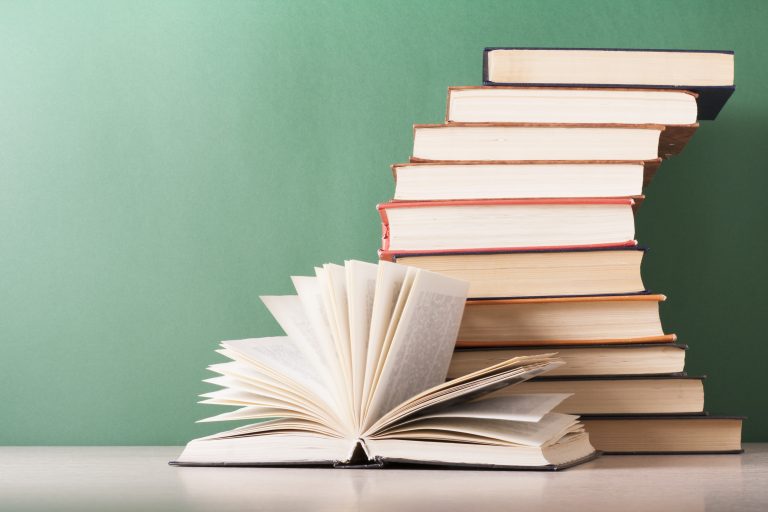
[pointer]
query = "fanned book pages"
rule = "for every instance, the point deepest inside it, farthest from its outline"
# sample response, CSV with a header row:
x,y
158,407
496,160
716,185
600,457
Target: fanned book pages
x,y
360,380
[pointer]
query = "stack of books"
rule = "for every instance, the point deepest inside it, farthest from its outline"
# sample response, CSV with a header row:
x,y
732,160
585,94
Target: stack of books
x,y
529,191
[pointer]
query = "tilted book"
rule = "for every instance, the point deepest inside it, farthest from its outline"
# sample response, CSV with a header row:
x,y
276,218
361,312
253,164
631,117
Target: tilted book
x,y
360,379
446,181
588,360
606,319
410,227
710,74
537,273
520,104
551,141
603,395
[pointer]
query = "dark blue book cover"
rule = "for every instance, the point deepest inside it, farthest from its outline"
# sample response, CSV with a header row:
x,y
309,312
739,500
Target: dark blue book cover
x,y
710,101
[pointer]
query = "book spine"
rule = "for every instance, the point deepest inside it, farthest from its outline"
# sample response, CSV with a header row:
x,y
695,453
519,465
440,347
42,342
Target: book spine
x,y
387,255
666,338
589,298
629,201
384,232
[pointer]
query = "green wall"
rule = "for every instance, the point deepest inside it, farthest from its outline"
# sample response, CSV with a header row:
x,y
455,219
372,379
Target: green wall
x,y
162,164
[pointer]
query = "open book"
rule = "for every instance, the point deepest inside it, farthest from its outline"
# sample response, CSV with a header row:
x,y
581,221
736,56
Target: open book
x,y
360,379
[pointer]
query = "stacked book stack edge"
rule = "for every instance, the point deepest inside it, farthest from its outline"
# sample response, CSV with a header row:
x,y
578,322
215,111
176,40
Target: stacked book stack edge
x,y
529,192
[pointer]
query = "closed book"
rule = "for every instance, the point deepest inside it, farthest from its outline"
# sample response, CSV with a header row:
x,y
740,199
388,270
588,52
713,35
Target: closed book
x,y
627,434
622,394
441,181
562,321
538,273
675,110
522,104
710,74
581,360
551,141
468,226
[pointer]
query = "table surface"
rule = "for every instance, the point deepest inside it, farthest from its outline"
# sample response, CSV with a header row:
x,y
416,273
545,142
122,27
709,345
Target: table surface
x,y
139,478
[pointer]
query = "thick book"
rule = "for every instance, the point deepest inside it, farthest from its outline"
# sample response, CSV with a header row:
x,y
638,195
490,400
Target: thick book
x,y
360,379
435,181
629,434
675,110
581,360
551,141
468,226
621,394
563,321
710,74
542,273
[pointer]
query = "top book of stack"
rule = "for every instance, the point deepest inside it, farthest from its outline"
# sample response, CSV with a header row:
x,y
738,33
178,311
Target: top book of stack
x,y
707,73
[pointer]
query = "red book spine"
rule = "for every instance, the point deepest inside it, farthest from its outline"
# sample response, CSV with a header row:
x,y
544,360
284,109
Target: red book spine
x,y
386,254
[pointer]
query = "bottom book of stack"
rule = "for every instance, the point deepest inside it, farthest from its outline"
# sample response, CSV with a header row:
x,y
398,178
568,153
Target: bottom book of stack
x,y
632,398
665,433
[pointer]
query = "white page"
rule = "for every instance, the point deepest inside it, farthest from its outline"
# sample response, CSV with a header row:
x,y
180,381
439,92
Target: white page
x,y
278,424
423,343
246,374
241,397
281,356
550,428
336,281
389,281
341,349
255,412
384,344
523,407
240,376
361,291
464,388
311,298
289,312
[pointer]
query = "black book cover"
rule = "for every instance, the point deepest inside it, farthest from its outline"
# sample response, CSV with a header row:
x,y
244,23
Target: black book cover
x,y
710,101
558,348
703,416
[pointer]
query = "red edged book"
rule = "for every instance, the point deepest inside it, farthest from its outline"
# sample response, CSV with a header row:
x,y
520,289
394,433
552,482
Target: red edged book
x,y
410,227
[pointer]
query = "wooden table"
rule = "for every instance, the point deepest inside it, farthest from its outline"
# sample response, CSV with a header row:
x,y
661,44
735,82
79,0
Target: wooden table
x,y
138,478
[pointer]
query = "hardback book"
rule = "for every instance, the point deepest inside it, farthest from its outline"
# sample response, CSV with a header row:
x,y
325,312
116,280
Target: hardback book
x,y
563,321
534,141
360,379
708,73
581,360
542,273
620,394
665,433
435,181
676,110
468,226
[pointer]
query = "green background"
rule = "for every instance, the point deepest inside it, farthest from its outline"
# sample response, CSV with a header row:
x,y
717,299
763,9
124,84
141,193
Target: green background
x,y
162,164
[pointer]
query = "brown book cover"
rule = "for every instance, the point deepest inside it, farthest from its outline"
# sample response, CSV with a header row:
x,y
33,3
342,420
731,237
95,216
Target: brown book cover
x,y
649,166
664,433
672,139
